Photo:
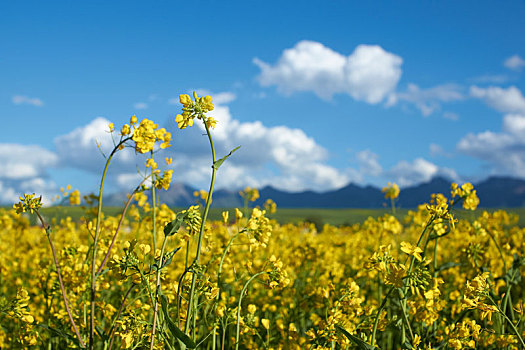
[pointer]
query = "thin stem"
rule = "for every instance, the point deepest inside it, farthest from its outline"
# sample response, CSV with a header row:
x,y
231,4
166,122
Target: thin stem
x,y
48,234
510,322
201,233
157,290
118,315
95,243
239,307
376,321
119,226
154,202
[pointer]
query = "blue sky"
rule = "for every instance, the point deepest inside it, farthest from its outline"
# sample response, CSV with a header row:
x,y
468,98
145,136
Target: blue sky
x,y
318,94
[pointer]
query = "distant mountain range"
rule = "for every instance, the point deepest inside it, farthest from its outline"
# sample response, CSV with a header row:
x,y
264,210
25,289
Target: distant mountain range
x,y
492,192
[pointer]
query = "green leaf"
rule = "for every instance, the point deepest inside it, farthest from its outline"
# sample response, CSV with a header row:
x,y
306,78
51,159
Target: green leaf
x,y
167,259
173,327
172,227
357,341
219,162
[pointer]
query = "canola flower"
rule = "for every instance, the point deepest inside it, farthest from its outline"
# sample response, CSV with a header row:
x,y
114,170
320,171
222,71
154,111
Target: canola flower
x,y
424,281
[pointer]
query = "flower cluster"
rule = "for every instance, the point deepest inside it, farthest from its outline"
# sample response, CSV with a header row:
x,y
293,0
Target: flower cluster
x,y
28,203
195,109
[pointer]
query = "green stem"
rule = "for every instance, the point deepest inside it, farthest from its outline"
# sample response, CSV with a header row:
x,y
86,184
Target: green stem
x,y
157,291
239,307
154,202
201,233
48,234
95,243
219,276
113,325
376,321
510,322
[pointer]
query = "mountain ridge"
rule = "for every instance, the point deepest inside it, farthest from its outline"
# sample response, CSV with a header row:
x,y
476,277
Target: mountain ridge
x,y
495,191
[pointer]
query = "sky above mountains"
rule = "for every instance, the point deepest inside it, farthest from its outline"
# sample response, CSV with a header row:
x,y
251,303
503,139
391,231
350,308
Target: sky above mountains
x,y
317,94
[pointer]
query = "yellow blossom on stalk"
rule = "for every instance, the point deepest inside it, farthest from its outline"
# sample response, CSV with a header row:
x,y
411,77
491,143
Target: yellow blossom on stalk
x,y
195,109
395,275
28,203
250,194
185,100
211,122
412,250
238,214
165,180
111,127
467,193
266,323
144,136
133,120
391,190
125,130
150,163
169,160
225,215
270,206
252,308
74,198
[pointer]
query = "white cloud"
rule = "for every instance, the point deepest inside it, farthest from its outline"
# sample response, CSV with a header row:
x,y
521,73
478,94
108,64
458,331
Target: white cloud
x,y
514,62
508,100
503,152
24,161
369,163
78,149
23,169
8,195
419,170
140,105
429,100
20,99
369,74
280,156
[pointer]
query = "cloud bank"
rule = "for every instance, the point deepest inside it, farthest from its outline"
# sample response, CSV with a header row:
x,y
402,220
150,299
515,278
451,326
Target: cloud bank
x,y
369,74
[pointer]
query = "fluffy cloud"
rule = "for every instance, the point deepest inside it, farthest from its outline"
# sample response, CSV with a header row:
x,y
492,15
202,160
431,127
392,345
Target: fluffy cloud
x,y
369,74
369,163
503,152
78,149
281,156
508,100
514,62
429,100
20,100
24,161
419,170
23,170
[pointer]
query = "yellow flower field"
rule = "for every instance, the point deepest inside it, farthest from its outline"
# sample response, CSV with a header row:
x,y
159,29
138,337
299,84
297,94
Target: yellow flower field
x,y
152,278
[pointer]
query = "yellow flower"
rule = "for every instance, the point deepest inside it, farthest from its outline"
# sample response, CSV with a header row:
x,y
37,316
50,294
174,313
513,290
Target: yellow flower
x,y
150,163
185,100
125,130
266,323
133,120
74,198
168,160
412,250
391,191
111,127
